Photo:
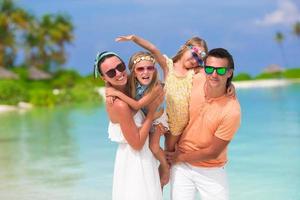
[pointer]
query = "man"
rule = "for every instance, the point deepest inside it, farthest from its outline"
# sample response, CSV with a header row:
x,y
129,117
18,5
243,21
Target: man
x,y
198,162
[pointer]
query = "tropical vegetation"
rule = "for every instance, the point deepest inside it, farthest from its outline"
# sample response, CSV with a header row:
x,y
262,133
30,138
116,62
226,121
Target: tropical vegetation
x,y
65,88
293,73
42,40
39,79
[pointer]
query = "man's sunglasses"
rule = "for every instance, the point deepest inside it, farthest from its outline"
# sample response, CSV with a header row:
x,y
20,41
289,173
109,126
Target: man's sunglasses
x,y
142,69
220,70
112,72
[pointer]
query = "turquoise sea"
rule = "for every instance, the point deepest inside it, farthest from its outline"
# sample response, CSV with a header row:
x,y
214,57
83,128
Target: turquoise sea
x,y
64,153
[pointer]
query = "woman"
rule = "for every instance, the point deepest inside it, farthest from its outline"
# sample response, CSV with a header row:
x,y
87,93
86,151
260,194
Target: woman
x,y
135,174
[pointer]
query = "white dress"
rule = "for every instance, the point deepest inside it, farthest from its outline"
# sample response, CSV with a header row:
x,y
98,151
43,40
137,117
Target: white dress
x,y
136,172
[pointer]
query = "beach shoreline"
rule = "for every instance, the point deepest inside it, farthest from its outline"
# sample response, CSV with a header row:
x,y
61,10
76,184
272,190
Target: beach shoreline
x,y
238,84
20,107
264,83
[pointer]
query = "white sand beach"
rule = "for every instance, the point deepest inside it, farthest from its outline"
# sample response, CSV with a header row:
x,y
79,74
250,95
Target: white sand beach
x,y
264,83
20,107
6,108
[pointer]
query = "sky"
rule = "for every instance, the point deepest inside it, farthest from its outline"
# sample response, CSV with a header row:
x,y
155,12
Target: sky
x,y
246,28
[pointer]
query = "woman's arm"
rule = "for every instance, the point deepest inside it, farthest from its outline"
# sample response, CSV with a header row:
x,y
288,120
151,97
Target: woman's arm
x,y
122,113
161,60
136,105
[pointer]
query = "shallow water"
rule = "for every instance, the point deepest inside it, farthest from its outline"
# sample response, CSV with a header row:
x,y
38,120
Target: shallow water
x,y
63,153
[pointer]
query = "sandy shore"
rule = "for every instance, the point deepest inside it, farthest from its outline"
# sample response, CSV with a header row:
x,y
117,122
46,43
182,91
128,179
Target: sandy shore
x,y
20,107
265,83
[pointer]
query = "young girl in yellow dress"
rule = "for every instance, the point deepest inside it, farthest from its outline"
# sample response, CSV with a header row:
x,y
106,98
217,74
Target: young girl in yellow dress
x,y
178,74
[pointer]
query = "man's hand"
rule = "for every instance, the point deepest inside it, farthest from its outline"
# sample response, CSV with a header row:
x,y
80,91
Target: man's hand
x,y
173,157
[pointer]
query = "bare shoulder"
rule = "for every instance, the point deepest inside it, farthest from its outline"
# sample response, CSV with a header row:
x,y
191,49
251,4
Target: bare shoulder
x,y
114,110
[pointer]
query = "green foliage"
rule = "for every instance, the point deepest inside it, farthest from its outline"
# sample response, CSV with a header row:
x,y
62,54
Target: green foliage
x,y
21,71
84,92
42,97
242,77
12,92
275,75
292,73
95,81
39,84
67,87
65,79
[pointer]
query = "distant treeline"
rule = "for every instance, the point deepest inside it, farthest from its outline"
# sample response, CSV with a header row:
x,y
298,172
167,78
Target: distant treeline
x,y
64,88
293,73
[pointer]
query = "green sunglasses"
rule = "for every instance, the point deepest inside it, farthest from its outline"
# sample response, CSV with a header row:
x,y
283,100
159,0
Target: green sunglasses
x,y
220,70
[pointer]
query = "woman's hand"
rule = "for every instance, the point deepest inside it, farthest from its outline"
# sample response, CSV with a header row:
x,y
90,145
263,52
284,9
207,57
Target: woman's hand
x,y
125,38
152,106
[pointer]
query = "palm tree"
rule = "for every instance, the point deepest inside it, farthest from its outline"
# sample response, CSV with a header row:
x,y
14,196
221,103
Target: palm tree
x,y
279,38
61,34
37,44
46,39
296,29
12,20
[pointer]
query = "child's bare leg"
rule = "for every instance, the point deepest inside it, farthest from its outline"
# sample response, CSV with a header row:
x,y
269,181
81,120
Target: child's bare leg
x,y
171,141
164,169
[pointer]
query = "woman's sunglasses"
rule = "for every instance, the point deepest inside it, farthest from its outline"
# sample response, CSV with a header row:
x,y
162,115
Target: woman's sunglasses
x,y
220,70
142,69
112,72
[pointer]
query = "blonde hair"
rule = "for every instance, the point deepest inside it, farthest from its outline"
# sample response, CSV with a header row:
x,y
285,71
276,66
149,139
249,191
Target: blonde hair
x,y
132,78
194,41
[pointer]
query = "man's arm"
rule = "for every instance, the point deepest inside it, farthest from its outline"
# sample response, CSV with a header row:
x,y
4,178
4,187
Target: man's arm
x,y
225,130
212,152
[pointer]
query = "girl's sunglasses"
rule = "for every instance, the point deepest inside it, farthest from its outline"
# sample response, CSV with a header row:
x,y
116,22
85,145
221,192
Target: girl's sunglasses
x,y
112,72
196,56
220,70
142,69
199,61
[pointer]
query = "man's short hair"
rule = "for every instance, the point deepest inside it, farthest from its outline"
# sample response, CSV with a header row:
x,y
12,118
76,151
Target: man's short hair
x,y
223,53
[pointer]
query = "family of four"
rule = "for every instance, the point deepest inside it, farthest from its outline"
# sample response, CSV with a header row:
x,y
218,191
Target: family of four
x,y
202,115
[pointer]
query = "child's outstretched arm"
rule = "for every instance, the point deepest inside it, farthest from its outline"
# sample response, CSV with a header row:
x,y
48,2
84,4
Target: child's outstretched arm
x,y
161,60
136,105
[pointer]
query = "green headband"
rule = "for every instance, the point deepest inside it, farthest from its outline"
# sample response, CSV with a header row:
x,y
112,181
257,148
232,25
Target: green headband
x,y
99,57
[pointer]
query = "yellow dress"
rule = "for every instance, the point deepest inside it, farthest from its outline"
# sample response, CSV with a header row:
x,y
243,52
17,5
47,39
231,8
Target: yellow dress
x,y
178,92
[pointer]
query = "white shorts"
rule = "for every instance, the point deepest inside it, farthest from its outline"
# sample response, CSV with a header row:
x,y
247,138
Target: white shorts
x,y
163,119
186,180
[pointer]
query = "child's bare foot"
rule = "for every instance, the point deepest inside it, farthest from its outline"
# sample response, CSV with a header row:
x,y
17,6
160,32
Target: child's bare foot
x,y
164,174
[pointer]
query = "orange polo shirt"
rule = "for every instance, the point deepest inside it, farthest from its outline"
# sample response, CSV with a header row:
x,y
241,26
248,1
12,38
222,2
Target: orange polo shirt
x,y
219,117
